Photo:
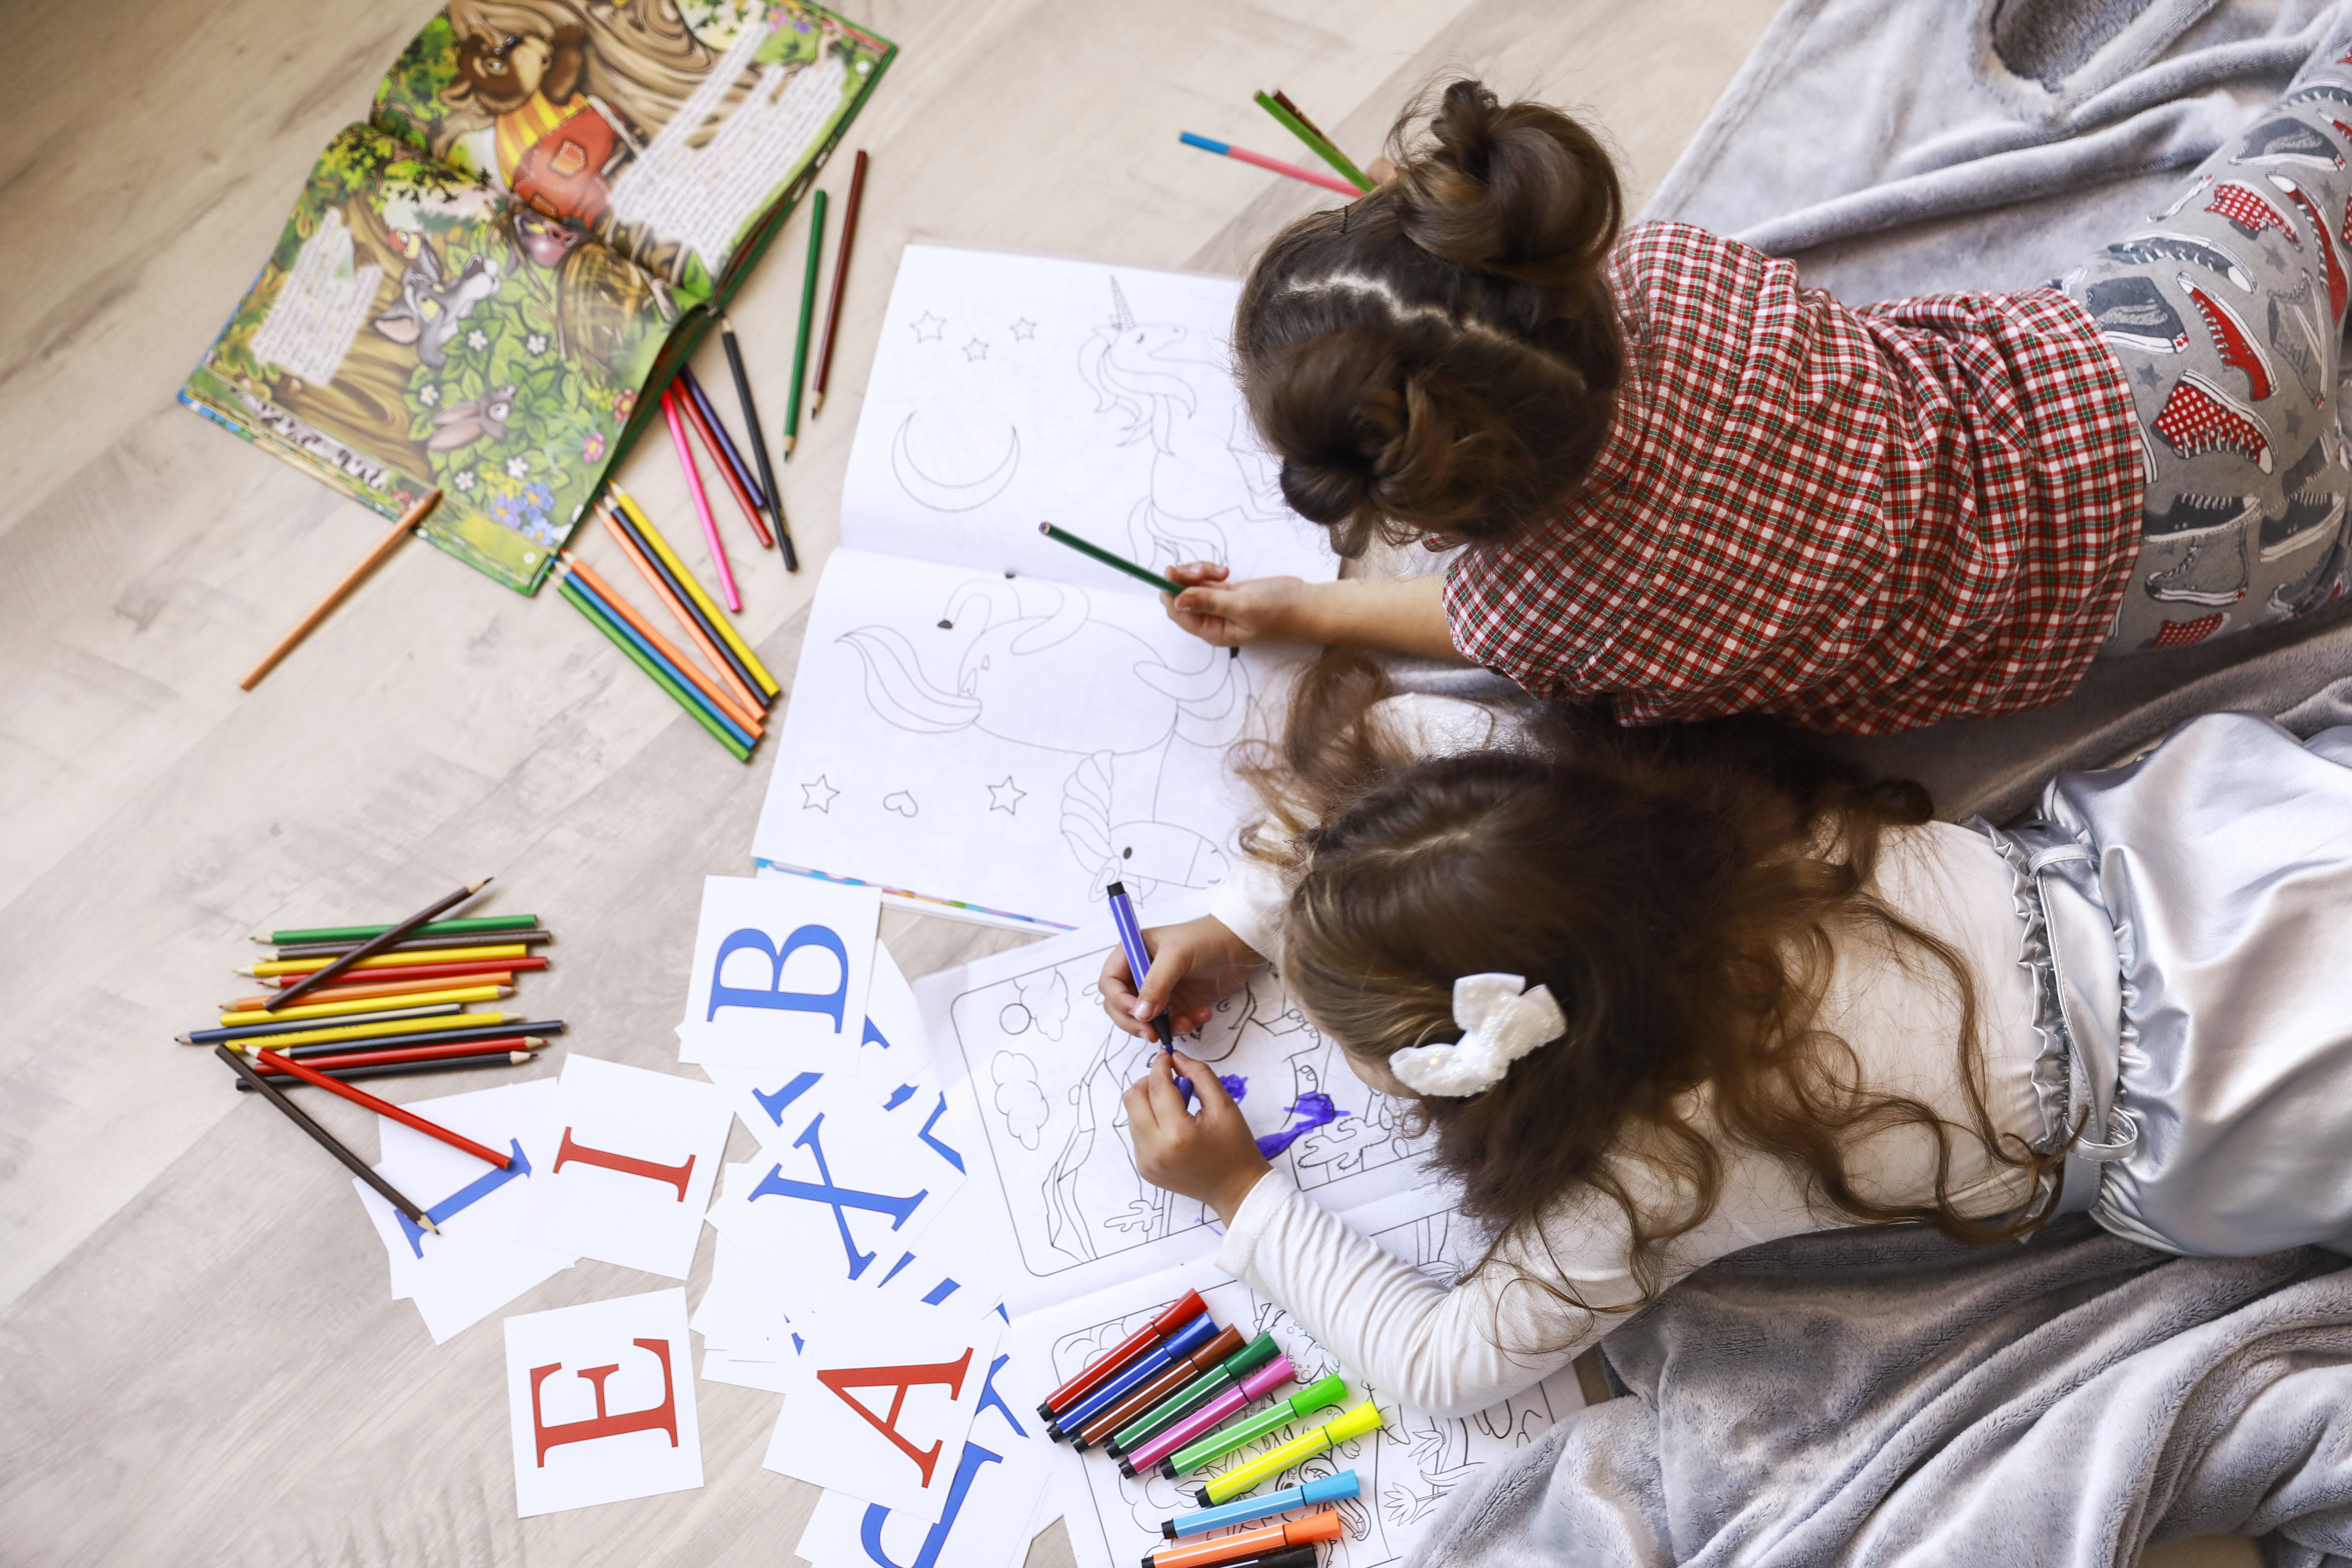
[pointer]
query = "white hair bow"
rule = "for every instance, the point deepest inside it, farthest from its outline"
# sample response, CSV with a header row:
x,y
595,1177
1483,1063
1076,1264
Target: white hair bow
x,y
1500,1024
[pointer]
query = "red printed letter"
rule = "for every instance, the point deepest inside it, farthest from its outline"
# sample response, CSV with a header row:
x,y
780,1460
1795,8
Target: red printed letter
x,y
901,1378
662,1418
674,1174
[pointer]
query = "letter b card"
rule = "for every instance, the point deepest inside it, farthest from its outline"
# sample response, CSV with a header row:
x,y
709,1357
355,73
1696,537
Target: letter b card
x,y
601,1402
780,969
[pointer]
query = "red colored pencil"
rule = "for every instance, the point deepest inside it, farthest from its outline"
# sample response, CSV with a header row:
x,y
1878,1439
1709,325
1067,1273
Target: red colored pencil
x,y
363,1098
424,1053
719,456
405,972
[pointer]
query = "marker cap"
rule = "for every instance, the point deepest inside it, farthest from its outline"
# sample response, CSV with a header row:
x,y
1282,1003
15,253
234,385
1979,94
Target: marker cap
x,y
1330,1488
1251,1356
1364,1419
1316,1396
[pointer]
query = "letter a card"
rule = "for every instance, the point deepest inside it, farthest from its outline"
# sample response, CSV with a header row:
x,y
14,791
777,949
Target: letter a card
x,y
602,1397
780,969
881,1401
635,1156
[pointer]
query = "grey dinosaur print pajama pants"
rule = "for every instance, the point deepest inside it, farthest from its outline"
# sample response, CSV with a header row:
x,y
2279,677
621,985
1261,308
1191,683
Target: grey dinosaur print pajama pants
x,y
2226,312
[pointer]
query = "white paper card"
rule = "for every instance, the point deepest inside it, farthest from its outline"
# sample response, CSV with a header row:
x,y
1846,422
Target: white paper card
x,y
636,1155
601,1402
779,973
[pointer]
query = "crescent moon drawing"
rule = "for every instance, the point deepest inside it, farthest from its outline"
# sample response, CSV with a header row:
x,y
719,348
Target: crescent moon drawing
x,y
951,495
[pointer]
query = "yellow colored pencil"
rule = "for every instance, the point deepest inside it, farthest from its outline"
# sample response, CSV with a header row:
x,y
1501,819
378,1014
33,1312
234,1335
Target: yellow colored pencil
x,y
334,1009
384,960
370,1031
686,580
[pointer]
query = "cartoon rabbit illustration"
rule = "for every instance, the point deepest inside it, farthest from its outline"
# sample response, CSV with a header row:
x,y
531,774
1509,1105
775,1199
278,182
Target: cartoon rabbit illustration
x,y
463,423
431,309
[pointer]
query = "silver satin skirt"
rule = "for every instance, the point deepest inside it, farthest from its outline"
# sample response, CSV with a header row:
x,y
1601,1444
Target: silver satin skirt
x,y
2189,922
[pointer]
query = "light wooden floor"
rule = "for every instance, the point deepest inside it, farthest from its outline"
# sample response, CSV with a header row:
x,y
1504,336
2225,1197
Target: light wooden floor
x,y
201,1364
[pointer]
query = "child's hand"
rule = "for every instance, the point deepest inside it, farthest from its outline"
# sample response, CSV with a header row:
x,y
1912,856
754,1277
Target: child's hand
x,y
1210,1157
1193,966
1234,614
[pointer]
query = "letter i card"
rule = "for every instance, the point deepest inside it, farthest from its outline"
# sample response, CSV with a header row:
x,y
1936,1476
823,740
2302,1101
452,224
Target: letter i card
x,y
780,969
602,1399
634,1155
881,1401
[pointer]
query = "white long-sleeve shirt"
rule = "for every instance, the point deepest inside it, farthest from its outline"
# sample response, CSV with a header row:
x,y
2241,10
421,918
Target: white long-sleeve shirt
x,y
1455,1350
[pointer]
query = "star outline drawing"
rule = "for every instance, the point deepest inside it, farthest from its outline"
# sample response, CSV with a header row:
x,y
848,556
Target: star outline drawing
x,y
1006,797
929,327
818,796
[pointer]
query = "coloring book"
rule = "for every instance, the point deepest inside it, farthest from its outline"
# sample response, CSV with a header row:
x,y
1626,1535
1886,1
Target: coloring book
x,y
984,721
549,202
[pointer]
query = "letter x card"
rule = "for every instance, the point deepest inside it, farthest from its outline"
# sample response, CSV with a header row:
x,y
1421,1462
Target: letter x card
x,y
779,975
602,1401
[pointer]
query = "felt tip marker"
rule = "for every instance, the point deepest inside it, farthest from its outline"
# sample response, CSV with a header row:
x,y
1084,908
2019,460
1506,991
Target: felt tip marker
x,y
1139,960
1283,1557
1326,1488
1364,1419
1241,1434
1183,1343
1315,1527
1253,1387
1114,1361
1226,1373
1152,1390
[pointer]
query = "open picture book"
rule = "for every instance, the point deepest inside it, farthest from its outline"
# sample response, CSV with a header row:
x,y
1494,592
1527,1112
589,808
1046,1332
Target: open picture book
x,y
985,721
548,203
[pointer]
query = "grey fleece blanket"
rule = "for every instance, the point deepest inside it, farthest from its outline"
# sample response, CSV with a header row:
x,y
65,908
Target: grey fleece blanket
x,y
1883,1397
1993,144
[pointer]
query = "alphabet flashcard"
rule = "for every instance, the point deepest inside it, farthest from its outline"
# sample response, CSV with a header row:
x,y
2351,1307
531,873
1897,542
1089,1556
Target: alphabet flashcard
x,y
882,1403
780,971
635,1154
600,1398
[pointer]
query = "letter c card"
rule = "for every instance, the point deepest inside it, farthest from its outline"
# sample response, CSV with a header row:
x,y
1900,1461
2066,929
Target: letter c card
x,y
781,966
600,1398
633,1157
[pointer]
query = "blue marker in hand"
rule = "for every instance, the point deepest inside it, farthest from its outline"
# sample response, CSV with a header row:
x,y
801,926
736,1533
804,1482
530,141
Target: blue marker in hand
x,y
1138,963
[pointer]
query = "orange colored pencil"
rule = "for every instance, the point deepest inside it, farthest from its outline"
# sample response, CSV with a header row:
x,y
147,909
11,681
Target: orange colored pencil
x,y
694,416
367,1101
692,671
693,628
336,594
389,988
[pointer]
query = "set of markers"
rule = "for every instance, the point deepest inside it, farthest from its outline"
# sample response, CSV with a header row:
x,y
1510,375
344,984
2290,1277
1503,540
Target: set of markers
x,y
1167,1397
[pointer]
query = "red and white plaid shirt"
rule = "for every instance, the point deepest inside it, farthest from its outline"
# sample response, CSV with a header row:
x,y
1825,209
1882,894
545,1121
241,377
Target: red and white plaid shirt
x,y
1863,519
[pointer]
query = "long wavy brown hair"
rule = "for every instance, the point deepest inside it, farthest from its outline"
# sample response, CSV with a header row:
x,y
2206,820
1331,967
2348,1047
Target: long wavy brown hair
x,y
1683,892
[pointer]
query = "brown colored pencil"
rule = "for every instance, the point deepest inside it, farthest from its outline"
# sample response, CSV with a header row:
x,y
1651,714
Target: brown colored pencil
x,y
375,944
335,596
840,277
1300,114
326,1139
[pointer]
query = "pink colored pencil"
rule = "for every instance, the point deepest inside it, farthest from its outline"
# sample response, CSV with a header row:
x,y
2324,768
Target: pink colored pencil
x,y
1259,160
701,501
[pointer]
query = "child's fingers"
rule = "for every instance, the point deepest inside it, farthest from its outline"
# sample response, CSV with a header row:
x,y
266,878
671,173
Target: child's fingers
x,y
1165,1101
1119,1000
1192,571
1169,961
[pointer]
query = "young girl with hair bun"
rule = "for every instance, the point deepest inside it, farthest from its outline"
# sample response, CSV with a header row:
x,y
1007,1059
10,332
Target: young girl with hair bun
x,y
1687,485
1661,994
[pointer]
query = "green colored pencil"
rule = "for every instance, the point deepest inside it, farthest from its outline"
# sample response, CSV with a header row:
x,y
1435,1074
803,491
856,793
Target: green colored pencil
x,y
361,933
808,320
1115,563
580,602
1316,142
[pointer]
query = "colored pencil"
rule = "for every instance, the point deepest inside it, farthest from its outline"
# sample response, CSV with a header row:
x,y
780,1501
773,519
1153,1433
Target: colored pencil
x,y
470,925
722,455
325,1139
840,275
336,594
359,981
651,538
673,678
413,945
498,1047
701,501
1259,160
746,718
504,1028
699,402
421,1028
377,943
235,1017
758,443
737,681
410,1069
389,988
367,1101
408,964
808,317
721,730
1115,563
1316,142
398,1016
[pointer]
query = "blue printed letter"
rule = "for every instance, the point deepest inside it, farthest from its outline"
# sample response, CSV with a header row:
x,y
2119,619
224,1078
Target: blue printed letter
x,y
832,1004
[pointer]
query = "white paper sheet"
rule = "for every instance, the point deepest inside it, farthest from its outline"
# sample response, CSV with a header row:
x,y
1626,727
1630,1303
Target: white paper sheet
x,y
635,1156
1009,390
779,973
883,1402
602,1401
1021,1039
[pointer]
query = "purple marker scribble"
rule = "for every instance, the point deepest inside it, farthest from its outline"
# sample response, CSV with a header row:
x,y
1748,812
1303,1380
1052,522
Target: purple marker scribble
x,y
1235,1084
1317,1109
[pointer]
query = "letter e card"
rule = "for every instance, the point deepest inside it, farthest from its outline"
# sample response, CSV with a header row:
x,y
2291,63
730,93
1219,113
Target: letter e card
x,y
602,1400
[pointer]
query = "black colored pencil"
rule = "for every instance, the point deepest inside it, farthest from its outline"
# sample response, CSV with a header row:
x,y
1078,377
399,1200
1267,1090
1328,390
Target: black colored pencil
x,y
375,944
443,1038
408,1069
325,1139
759,446
628,525
416,943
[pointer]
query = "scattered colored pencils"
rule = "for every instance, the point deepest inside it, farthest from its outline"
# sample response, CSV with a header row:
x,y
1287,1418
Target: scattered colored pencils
x,y
758,443
509,1046
721,730
1297,124
378,942
325,1139
745,717
337,1009
808,316
739,484
1115,563
410,989
651,538
408,964
413,944
483,1027
472,925
340,590
364,982
840,275
737,679
410,1069
384,1107
701,501
1295,171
